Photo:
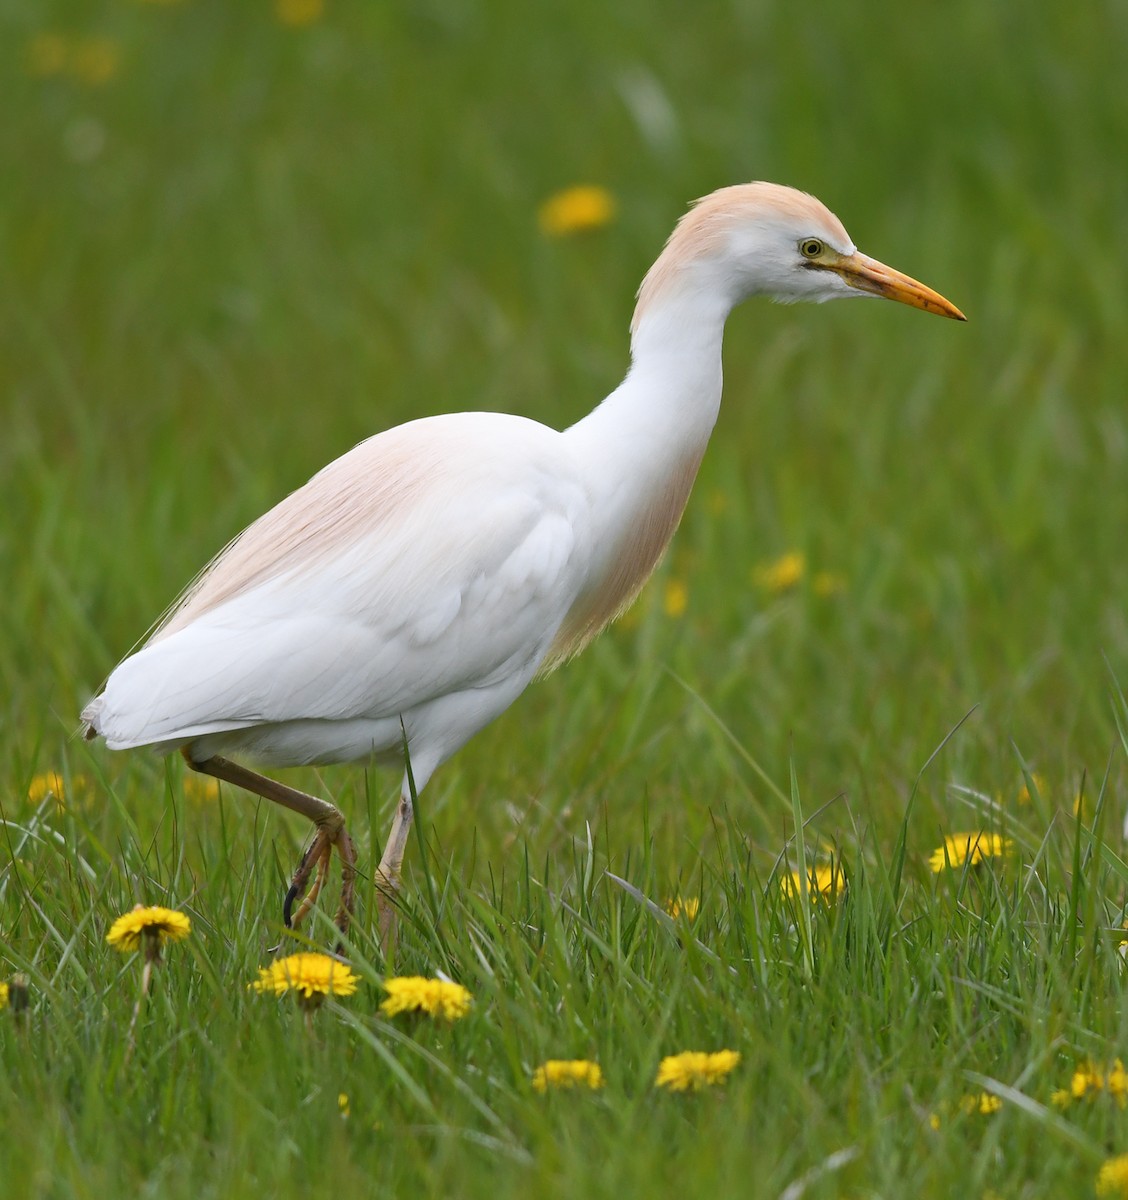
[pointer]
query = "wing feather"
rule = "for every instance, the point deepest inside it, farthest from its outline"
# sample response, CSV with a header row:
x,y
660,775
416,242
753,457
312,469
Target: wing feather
x,y
434,558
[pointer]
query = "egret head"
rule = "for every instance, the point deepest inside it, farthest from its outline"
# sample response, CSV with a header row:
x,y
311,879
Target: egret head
x,y
765,239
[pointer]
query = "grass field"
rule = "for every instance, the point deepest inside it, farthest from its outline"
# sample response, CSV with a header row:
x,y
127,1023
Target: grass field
x,y
236,238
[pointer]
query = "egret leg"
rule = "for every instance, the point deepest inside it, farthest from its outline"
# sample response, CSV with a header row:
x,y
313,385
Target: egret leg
x,y
389,870
331,832
320,851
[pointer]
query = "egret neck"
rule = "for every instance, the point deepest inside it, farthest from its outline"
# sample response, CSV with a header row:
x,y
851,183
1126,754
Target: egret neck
x,y
641,448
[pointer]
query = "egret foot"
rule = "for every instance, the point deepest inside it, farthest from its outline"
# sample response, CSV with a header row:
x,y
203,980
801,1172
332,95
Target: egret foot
x,y
331,832
320,852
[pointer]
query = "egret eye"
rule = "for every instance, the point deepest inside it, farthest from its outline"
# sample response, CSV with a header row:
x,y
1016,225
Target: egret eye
x,y
811,248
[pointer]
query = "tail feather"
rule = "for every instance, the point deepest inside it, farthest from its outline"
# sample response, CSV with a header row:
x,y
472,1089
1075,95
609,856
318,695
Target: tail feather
x,y
150,699
89,718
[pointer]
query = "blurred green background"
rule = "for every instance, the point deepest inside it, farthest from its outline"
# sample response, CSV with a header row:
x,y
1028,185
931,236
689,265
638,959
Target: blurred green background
x,y
236,238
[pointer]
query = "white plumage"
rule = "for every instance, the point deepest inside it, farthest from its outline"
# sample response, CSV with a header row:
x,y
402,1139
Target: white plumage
x,y
428,574
366,596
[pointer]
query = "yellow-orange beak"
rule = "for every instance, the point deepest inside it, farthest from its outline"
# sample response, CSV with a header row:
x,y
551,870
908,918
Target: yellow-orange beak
x,y
868,275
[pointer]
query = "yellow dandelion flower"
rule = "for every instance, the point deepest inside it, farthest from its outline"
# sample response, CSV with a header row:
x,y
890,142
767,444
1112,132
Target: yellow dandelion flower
x,y
1086,1081
95,60
694,1070
970,848
567,1073
311,977
1117,1083
343,1104
1112,1179
3,995
436,997
149,930
157,925
49,783
782,573
297,13
1090,1080
1039,781
46,55
675,598
688,907
201,788
828,583
827,881
576,210
983,1103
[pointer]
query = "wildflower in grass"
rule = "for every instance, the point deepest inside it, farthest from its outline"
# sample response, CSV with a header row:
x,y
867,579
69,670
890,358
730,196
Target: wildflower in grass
x,y
46,55
50,785
311,977
3,995
1091,1080
576,210
204,789
94,61
1039,782
343,1104
297,13
567,1073
970,848
781,574
688,907
981,1104
435,997
148,927
1112,1178
694,1070
675,598
1116,1081
827,881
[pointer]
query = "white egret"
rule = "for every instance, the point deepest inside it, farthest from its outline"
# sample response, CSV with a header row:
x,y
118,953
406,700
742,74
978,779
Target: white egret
x,y
415,586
